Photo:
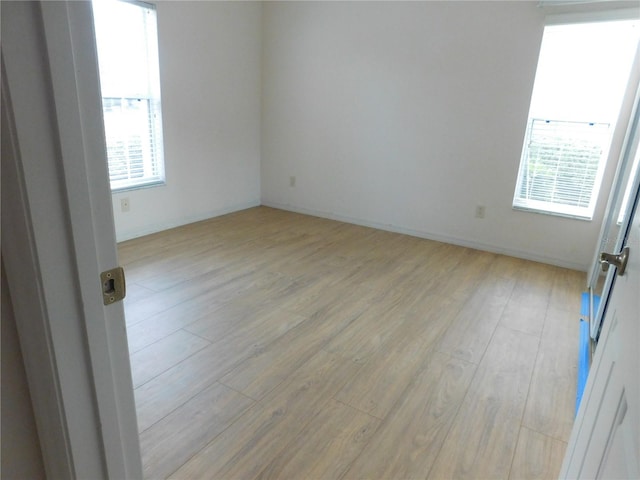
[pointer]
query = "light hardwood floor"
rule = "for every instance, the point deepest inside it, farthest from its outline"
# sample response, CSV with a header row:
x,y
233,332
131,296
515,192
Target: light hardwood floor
x,y
268,344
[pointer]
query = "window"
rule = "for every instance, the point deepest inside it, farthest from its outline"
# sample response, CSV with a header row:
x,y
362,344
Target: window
x,y
127,45
581,78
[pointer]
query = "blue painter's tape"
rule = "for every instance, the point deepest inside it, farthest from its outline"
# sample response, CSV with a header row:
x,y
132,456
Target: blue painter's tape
x,y
583,361
584,305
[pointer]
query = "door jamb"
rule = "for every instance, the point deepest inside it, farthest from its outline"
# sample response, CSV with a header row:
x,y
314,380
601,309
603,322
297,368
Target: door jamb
x,y
75,350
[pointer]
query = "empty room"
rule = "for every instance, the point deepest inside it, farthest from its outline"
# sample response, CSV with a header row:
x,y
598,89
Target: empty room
x,y
320,240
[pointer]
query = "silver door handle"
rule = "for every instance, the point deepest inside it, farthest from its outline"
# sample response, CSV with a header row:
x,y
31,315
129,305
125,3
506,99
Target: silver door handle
x,y
619,261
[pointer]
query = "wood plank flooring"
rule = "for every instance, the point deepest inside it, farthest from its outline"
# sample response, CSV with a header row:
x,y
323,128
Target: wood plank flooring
x,y
268,344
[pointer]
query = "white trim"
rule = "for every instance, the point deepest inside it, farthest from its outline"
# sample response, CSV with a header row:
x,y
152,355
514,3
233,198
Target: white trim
x,y
629,119
544,208
142,186
159,227
70,43
562,14
38,252
438,237
57,236
632,138
25,281
590,16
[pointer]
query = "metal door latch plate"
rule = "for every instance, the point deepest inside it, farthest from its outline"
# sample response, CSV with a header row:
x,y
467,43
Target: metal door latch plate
x,y
114,287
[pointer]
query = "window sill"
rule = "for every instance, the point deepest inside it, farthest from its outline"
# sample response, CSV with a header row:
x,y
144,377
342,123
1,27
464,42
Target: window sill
x,y
570,216
161,183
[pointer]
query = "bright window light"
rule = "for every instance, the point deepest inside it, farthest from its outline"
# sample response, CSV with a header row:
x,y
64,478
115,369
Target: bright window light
x,y
582,74
127,43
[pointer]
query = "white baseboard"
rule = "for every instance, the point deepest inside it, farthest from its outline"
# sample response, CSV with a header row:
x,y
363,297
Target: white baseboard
x,y
128,235
159,227
559,262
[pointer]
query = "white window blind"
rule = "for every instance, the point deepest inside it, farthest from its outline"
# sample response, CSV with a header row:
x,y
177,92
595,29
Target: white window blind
x,y
560,166
126,39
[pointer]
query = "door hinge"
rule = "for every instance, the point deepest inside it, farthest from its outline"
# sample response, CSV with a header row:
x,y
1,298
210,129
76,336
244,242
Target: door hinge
x,y
114,287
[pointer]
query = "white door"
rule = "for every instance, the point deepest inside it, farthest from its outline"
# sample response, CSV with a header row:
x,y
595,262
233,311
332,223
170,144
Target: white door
x,y
57,236
605,441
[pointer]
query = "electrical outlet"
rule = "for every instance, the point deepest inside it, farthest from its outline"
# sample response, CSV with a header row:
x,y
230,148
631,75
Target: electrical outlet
x,y
124,205
292,181
480,209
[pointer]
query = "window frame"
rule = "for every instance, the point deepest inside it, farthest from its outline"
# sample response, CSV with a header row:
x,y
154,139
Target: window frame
x,y
150,166
567,16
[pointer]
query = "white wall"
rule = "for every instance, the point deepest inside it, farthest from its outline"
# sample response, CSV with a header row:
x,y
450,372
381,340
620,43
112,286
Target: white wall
x,y
407,115
210,58
399,115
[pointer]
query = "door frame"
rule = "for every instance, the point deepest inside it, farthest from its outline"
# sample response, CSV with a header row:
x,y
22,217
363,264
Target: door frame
x,y
595,387
630,119
594,392
57,236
